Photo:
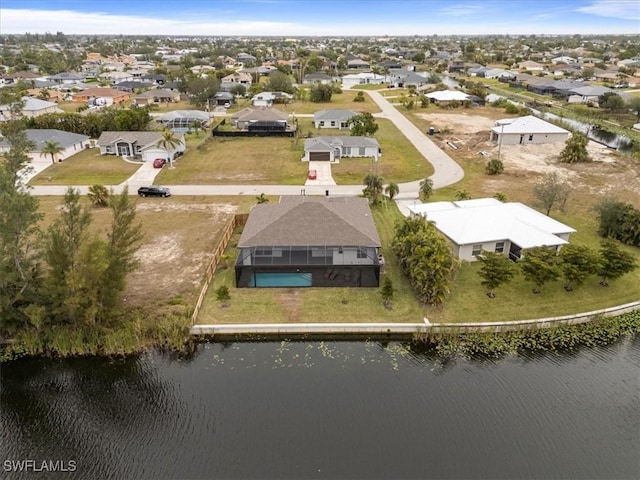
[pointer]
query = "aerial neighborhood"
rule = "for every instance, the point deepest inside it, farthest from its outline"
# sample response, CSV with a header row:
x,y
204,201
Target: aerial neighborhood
x,y
323,179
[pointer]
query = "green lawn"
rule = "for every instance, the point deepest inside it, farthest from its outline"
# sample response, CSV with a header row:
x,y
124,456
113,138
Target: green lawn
x,y
400,160
239,160
348,305
277,160
87,168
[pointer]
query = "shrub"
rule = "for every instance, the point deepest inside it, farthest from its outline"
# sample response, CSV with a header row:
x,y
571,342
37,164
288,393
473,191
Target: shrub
x,y
222,293
494,167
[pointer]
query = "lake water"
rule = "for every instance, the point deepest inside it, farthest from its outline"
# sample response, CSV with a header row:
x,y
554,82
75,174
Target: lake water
x,y
326,410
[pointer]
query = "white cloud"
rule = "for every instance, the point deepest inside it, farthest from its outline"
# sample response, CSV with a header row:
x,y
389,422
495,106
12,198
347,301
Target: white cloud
x,y
72,22
459,10
19,21
623,9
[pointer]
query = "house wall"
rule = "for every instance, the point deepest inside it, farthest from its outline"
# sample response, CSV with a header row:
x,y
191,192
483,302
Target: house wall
x,y
465,251
537,138
332,124
41,111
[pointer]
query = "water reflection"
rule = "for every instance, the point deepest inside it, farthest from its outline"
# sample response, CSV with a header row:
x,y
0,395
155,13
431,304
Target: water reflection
x,y
329,410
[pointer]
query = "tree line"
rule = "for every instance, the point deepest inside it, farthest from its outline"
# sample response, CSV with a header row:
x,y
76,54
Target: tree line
x,y
542,265
63,276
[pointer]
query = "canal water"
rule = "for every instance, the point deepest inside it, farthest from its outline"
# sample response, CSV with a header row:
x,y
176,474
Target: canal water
x,y
326,410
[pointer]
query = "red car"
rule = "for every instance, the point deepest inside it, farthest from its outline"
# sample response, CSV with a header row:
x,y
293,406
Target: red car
x,y
159,162
312,175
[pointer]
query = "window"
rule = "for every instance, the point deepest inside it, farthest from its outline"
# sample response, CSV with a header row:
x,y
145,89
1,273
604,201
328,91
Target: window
x,y
499,247
362,253
345,151
321,123
362,151
264,252
531,138
476,250
333,123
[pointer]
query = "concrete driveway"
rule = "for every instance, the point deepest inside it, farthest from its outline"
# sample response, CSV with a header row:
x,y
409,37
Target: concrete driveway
x,y
323,174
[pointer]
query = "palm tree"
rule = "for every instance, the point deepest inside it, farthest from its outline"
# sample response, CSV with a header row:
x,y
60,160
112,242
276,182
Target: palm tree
x,y
426,188
168,142
392,190
53,148
373,187
99,195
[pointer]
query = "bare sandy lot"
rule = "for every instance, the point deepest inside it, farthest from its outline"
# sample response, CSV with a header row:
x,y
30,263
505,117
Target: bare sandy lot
x,y
470,133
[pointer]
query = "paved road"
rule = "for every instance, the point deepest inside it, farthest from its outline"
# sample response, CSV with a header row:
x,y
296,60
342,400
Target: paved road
x,y
447,172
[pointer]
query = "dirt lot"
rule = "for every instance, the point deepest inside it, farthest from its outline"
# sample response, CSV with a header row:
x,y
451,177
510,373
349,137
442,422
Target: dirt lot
x,y
609,172
179,241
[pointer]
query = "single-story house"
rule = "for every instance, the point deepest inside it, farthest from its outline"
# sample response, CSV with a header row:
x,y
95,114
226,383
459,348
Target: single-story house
x,y
488,224
356,62
71,143
267,99
100,96
589,93
237,79
68,78
50,94
32,107
446,96
244,118
364,78
309,241
159,95
139,145
336,118
222,98
117,77
182,120
531,66
399,77
331,149
529,129
317,77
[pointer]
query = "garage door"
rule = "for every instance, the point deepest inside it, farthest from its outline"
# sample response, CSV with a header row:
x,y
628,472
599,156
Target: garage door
x,y
319,156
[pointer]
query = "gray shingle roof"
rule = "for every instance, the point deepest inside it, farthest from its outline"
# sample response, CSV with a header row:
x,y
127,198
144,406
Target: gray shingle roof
x,y
302,221
336,114
322,144
40,136
143,139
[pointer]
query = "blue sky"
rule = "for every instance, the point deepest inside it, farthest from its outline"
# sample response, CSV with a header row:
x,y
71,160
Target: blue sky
x,y
326,18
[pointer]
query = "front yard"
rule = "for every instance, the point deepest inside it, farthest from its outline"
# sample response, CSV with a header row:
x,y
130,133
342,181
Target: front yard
x,y
87,168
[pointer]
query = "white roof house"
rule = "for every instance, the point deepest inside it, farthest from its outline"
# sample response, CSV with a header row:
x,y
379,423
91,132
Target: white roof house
x,y
447,96
488,224
363,78
529,129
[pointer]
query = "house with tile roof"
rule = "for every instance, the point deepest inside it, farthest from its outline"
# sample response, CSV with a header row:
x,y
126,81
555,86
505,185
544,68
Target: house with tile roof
x,y
100,96
472,226
308,241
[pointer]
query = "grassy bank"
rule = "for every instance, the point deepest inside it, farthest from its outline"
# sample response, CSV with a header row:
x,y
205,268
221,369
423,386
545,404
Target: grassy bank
x,y
566,338
136,333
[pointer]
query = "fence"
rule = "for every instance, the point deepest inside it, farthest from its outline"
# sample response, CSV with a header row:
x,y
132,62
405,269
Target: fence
x,y
236,220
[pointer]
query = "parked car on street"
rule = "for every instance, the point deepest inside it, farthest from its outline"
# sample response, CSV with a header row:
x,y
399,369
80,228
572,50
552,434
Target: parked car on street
x,y
159,162
154,191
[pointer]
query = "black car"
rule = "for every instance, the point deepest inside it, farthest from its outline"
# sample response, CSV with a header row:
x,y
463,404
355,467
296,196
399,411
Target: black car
x,y
154,191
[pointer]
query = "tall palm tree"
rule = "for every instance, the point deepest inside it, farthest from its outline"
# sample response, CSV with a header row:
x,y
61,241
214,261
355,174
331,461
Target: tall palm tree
x,y
169,142
426,188
53,148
